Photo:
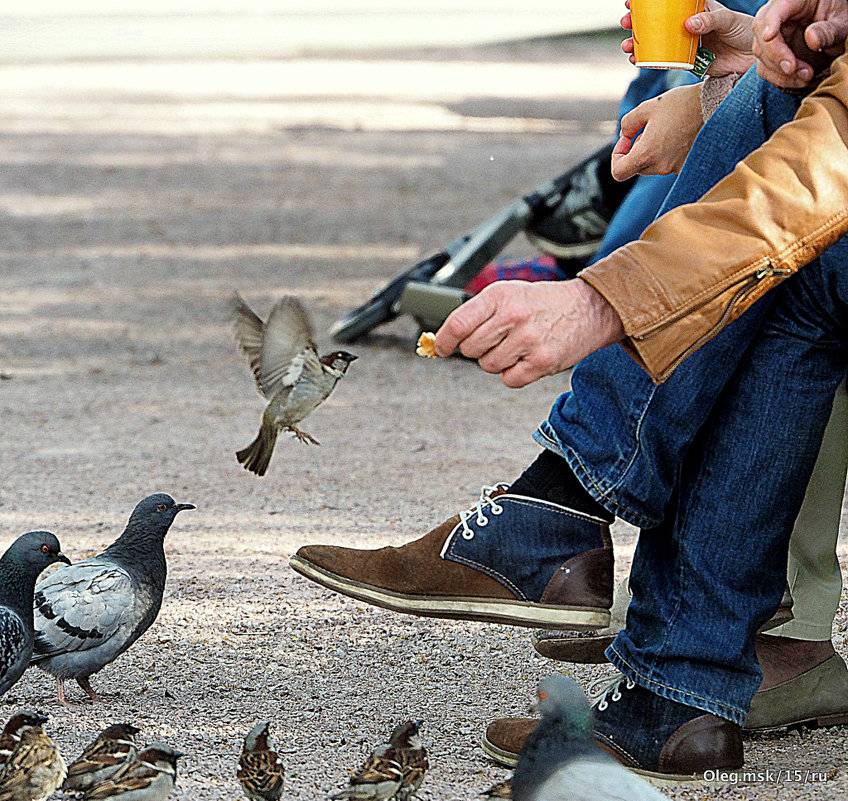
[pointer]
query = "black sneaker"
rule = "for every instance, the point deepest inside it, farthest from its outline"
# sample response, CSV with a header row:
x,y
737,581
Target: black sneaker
x,y
575,227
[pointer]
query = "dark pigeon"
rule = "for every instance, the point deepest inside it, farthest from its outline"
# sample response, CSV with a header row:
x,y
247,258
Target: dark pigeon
x,y
89,613
26,557
560,760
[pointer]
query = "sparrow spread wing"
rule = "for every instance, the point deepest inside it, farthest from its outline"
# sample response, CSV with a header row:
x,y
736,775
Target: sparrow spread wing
x,y
589,779
249,332
81,606
288,349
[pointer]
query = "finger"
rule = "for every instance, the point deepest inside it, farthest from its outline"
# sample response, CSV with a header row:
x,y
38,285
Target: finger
x,y
463,320
621,171
488,337
505,355
627,21
521,374
636,119
821,35
627,45
769,19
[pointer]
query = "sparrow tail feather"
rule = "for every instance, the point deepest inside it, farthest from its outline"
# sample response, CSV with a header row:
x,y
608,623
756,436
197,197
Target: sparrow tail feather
x,y
256,456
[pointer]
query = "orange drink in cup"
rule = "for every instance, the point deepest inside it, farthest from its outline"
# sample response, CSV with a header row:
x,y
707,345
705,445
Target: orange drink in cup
x,y
660,39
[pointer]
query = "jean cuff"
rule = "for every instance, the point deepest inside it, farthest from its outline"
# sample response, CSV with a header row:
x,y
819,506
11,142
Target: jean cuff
x,y
547,437
617,655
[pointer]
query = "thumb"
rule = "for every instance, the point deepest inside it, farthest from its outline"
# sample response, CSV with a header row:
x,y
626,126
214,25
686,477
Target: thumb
x,y
716,19
822,35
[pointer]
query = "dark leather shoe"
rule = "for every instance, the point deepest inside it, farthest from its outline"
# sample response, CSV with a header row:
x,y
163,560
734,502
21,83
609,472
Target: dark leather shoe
x,y
509,559
666,742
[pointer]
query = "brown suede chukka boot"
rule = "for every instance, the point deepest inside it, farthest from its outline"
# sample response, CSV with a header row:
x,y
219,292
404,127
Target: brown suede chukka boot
x,y
509,559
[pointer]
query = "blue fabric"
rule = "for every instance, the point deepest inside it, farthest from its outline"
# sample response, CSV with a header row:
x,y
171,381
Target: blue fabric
x,y
736,429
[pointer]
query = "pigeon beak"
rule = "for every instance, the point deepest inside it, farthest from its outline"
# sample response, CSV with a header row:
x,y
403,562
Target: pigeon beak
x,y
60,557
181,507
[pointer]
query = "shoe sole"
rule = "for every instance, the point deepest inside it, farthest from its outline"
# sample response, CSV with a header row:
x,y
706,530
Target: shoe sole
x,y
816,722
509,759
512,613
578,648
586,648
578,250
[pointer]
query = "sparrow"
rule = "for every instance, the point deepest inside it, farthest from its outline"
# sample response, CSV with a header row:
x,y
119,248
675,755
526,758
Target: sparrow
x,y
149,776
288,372
500,790
20,566
34,770
102,758
410,754
14,728
260,770
560,759
89,613
377,780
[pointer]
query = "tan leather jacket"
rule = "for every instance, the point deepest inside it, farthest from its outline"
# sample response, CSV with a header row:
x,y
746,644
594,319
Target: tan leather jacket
x,y
700,266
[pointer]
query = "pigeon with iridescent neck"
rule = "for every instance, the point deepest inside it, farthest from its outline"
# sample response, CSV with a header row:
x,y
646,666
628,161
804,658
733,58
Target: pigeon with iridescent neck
x,y
89,613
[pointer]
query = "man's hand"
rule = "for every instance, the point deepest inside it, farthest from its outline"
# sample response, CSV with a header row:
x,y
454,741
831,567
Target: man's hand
x,y
793,39
726,33
671,122
525,331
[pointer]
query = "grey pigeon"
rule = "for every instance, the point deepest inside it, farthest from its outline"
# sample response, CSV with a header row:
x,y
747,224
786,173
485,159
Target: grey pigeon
x,y
560,760
89,613
25,558
288,372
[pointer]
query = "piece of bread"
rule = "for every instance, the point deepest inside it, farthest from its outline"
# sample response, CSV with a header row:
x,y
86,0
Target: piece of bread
x,y
427,345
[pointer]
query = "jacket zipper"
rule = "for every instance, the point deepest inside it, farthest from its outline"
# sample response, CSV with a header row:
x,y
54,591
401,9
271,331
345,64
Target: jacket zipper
x,y
748,283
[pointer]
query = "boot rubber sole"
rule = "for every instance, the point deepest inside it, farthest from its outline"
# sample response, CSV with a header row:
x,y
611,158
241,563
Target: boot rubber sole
x,y
486,610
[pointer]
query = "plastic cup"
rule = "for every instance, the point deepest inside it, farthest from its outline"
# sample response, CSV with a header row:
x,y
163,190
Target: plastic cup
x,y
660,39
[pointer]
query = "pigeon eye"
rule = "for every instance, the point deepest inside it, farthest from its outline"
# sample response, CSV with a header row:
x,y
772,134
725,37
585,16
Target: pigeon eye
x,y
161,507
45,549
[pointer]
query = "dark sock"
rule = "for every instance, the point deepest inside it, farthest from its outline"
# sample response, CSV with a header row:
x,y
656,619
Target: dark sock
x,y
550,478
614,191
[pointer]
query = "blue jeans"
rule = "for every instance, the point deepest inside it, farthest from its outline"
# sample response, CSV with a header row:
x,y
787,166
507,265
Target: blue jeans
x,y
721,452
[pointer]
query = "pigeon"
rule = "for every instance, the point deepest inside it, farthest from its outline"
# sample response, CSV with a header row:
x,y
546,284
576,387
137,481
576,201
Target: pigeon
x,y
560,760
34,770
89,613
20,565
260,770
410,754
149,776
102,758
377,780
288,372
12,731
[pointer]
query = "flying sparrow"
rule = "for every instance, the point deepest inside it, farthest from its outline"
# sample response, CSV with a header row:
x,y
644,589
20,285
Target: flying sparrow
x,y
377,780
410,754
288,372
102,758
34,770
149,776
260,769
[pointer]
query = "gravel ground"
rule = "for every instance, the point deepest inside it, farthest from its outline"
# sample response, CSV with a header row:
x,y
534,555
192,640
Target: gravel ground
x,y
127,221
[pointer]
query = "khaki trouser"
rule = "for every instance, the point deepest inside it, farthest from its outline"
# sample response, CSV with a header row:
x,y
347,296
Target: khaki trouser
x,y
813,572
